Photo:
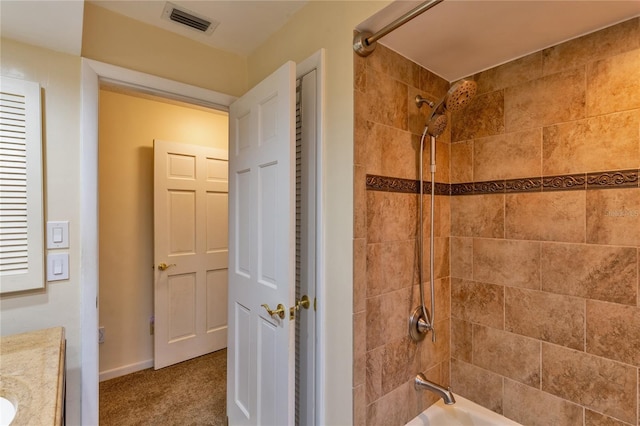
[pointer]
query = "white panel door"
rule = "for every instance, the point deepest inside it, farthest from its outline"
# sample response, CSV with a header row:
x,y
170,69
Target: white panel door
x,y
261,364
190,251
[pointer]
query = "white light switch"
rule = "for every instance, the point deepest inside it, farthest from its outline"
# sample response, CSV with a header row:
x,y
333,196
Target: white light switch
x,y
57,266
57,235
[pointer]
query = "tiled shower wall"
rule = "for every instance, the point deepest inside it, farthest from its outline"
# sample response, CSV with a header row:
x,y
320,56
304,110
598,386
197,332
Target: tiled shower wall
x,y
543,229
387,139
545,234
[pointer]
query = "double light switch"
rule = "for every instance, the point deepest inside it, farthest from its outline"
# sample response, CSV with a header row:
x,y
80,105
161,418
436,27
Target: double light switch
x,y
57,263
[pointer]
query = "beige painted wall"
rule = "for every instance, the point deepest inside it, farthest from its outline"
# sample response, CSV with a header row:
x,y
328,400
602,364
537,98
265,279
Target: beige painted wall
x,y
59,303
128,124
329,25
116,39
108,38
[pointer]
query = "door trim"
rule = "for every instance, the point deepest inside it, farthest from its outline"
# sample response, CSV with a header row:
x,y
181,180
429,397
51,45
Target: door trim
x,y
92,73
317,62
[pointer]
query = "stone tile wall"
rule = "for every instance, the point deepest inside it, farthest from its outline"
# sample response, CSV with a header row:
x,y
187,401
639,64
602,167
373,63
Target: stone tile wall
x,y
537,236
544,277
387,140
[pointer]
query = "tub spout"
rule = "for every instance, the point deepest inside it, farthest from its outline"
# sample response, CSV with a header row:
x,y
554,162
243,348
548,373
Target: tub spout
x,y
421,382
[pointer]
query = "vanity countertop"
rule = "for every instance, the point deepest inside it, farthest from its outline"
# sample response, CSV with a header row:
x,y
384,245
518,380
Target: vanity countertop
x,y
32,375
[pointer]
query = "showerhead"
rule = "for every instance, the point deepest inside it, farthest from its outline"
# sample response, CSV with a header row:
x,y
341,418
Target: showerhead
x,y
457,98
436,125
460,95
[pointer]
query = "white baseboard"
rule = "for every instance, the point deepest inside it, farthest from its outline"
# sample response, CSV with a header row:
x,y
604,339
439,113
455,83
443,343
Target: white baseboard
x,y
125,369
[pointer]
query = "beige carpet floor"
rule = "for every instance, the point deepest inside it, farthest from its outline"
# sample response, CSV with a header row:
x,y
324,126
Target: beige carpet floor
x,y
190,393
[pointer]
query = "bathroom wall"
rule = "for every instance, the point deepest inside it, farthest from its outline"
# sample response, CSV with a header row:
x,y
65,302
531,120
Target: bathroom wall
x,y
545,234
388,126
58,304
119,40
128,125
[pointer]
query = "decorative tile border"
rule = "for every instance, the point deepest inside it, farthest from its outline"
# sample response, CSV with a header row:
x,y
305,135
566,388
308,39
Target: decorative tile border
x,y
406,186
564,182
599,180
617,179
389,184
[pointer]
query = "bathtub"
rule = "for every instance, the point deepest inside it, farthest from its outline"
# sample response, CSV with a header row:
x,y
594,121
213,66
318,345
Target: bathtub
x,y
462,413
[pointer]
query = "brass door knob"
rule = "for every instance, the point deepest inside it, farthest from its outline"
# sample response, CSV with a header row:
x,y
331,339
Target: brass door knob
x,y
163,266
279,310
303,302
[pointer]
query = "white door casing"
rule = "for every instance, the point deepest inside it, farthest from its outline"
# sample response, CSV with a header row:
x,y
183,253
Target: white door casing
x,y
92,71
261,365
190,237
307,220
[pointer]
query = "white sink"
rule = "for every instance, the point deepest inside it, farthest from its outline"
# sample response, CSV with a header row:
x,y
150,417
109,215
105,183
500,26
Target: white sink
x,y
7,411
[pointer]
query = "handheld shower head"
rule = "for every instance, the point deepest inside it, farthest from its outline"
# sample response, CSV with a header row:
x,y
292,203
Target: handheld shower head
x,y
436,124
460,95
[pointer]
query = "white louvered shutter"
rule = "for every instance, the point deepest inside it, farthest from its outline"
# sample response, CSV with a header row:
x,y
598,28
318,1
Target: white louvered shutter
x,y
21,217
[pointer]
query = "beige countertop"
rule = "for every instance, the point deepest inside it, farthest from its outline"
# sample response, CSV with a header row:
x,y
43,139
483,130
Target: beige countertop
x,y
32,375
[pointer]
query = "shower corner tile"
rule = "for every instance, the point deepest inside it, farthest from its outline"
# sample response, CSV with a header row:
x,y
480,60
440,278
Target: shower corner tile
x,y
477,384
435,86
359,406
461,257
462,340
359,202
359,274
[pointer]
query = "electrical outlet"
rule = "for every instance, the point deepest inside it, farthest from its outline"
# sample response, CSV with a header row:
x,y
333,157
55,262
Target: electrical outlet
x,y
100,334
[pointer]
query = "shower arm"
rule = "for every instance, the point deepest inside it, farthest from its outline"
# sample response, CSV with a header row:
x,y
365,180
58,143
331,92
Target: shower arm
x,y
364,43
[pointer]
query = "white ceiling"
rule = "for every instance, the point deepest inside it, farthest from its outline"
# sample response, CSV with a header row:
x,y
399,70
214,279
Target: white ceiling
x,y
454,39
55,25
458,38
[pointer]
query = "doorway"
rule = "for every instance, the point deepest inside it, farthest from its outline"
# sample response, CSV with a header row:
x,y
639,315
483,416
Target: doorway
x,y
128,124
93,72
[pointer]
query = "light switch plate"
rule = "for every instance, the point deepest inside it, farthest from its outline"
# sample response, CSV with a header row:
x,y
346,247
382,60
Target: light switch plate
x,y
58,234
57,266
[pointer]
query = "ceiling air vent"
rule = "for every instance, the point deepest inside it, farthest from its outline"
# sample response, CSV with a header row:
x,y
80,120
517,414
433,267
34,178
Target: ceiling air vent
x,y
185,17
